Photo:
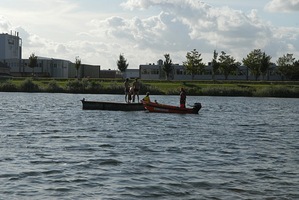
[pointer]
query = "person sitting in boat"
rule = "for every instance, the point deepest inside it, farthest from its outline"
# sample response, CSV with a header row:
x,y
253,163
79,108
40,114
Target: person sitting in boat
x,y
183,98
146,99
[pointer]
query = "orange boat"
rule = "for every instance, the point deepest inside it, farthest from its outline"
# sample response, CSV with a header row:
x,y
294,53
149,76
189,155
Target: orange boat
x,y
163,108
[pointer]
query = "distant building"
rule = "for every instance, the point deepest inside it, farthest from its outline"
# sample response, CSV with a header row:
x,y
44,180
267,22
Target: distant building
x,y
46,67
131,73
11,46
10,51
110,74
156,72
55,68
151,71
4,70
11,62
89,71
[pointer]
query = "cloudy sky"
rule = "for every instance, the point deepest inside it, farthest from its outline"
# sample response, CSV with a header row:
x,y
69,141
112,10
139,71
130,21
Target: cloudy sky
x,y
98,31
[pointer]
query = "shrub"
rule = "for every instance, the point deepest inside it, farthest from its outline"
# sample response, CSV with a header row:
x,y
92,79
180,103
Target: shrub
x,y
93,87
53,86
151,89
29,86
8,86
277,91
84,86
74,86
115,88
226,91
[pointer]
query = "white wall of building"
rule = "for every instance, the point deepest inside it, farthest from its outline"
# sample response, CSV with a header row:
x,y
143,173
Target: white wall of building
x,y
131,73
46,67
155,72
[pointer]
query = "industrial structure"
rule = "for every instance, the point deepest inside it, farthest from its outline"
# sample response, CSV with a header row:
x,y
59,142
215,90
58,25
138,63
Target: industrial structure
x,y
12,64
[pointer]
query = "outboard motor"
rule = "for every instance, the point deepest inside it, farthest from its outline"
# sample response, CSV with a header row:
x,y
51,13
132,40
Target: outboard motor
x,y
196,107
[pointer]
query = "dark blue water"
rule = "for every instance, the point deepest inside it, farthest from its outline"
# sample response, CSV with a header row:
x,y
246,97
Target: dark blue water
x,y
236,148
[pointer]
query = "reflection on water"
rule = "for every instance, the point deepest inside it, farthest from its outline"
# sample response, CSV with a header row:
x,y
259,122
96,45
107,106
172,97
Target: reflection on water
x,y
236,148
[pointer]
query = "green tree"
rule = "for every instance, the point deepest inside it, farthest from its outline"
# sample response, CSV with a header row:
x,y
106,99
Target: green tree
x,y
265,64
215,64
227,64
194,64
296,70
253,62
77,65
32,62
122,63
286,66
167,66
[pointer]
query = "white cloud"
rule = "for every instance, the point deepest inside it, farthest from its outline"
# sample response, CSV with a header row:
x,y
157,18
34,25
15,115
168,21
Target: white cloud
x,y
283,6
139,4
205,27
4,24
61,49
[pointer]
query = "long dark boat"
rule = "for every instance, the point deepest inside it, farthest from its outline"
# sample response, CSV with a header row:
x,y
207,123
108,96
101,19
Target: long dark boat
x,y
116,106
163,108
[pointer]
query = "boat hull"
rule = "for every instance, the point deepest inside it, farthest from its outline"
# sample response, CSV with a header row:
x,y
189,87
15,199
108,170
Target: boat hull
x,y
163,108
115,106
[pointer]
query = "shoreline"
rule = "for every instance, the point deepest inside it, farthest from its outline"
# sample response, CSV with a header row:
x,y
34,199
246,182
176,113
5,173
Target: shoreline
x,y
289,89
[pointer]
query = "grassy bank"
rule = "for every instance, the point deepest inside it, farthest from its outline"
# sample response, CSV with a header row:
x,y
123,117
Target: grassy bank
x,y
115,86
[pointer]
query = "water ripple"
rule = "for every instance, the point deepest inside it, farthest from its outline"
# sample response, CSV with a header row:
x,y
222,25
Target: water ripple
x,y
236,148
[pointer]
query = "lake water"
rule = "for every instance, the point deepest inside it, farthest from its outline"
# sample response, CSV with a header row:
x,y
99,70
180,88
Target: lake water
x,y
236,148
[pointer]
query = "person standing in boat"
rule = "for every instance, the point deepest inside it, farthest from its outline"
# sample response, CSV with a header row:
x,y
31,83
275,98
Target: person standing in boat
x,y
130,94
146,99
183,98
136,88
127,89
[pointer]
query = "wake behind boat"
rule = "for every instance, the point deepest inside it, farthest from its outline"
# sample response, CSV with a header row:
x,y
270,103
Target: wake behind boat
x,y
115,106
163,108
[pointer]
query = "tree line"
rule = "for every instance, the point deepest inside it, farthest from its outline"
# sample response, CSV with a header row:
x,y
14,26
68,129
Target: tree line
x,y
257,61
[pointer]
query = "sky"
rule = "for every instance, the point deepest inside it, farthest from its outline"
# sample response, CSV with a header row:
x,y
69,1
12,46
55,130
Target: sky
x,y
98,31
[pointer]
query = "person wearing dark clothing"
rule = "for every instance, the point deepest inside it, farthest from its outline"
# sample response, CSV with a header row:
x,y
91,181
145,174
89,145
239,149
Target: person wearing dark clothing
x,y
127,89
182,98
136,88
